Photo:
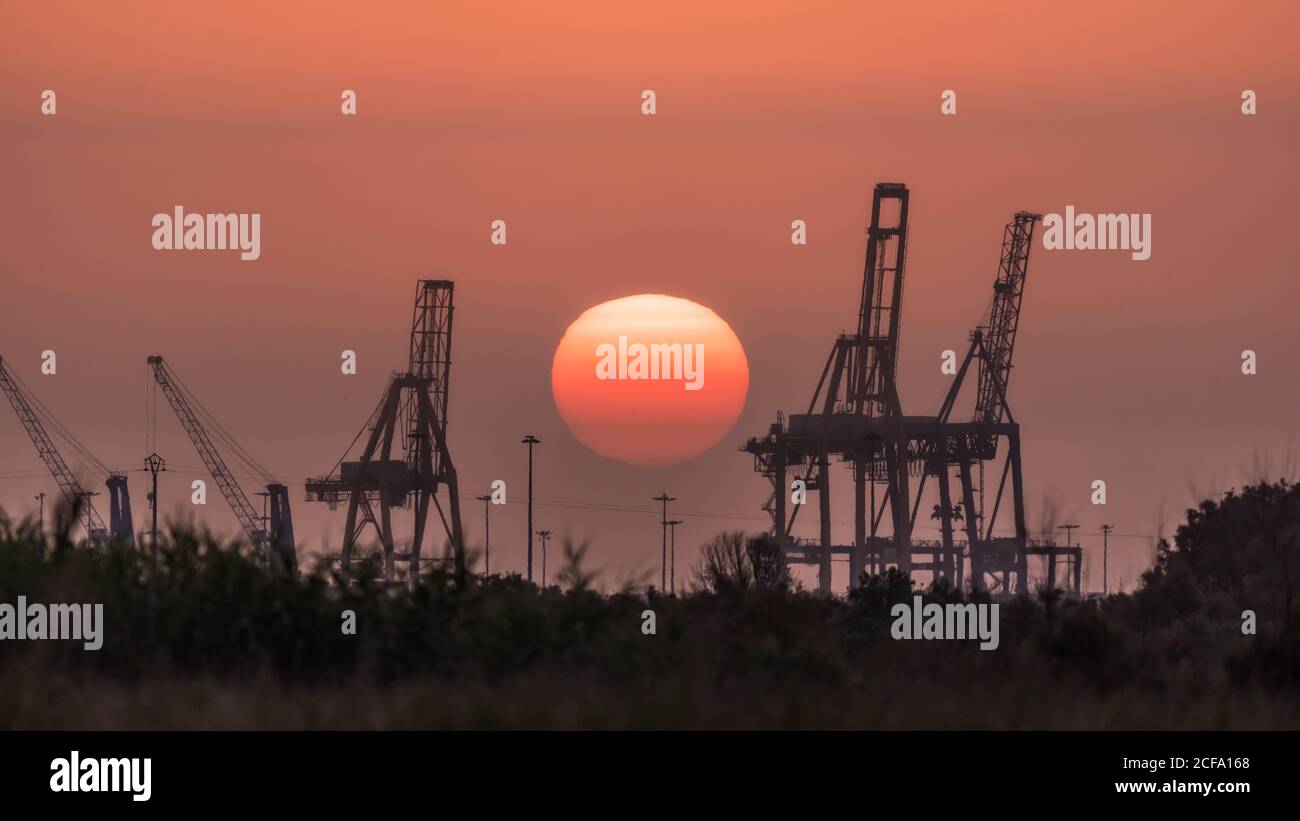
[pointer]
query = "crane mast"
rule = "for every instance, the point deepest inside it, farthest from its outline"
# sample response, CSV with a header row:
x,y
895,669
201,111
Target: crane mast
x,y
873,359
248,517
997,334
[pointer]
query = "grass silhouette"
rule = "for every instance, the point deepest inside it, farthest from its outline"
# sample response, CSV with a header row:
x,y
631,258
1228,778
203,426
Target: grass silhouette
x,y
207,637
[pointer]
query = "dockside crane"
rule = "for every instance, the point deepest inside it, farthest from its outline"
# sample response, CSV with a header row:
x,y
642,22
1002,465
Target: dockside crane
x,y
36,418
855,415
967,445
277,544
406,462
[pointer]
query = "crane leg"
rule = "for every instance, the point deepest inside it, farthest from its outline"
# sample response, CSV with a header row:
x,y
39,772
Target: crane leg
x,y
386,535
824,507
972,534
945,522
421,518
349,537
896,461
457,533
858,559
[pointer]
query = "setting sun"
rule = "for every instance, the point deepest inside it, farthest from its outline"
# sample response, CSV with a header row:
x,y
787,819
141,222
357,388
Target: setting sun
x,y
649,379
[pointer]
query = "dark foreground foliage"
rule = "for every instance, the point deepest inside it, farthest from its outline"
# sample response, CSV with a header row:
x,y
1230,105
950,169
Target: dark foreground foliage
x,y
203,636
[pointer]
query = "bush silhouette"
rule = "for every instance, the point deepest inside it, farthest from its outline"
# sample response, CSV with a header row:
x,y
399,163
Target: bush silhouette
x,y
747,647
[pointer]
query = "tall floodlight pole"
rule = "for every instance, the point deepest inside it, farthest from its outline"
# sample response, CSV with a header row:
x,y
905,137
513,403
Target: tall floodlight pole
x,y
672,553
1069,530
545,534
663,521
487,534
154,463
40,521
1105,559
530,440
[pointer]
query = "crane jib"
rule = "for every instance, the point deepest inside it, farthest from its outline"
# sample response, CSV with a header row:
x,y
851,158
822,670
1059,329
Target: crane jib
x,y
76,496
279,533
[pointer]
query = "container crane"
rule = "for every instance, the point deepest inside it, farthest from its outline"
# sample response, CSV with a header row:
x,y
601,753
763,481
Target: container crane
x,y
855,414
277,545
967,445
413,411
856,418
35,418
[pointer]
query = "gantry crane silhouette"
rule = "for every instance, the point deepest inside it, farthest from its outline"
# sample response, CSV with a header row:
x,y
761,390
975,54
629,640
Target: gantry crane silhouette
x,y
854,413
941,444
38,421
275,545
412,414
855,416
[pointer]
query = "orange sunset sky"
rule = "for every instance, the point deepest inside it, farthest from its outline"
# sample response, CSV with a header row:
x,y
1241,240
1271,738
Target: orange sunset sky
x,y
767,112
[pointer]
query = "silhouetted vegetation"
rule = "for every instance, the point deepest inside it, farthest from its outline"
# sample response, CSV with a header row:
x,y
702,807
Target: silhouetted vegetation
x,y
734,562
204,636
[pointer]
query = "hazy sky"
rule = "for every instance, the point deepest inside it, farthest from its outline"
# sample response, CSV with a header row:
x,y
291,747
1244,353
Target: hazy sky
x,y
767,112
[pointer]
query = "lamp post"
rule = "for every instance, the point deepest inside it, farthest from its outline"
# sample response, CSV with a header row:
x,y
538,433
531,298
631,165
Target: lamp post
x,y
487,534
530,440
1105,559
154,463
672,553
545,534
1069,529
663,568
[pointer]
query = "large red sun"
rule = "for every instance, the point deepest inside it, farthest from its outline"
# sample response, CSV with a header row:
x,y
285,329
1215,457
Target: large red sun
x,y
649,379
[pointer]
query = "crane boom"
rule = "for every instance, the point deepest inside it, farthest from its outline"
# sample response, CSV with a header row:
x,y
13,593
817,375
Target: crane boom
x,y
230,489
73,492
997,334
